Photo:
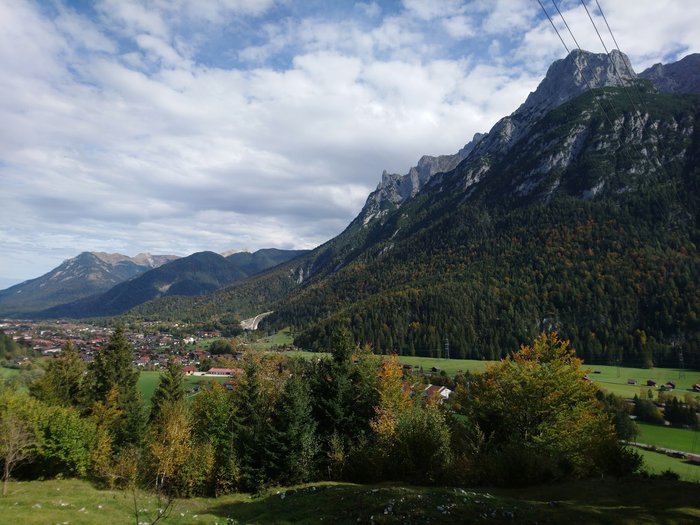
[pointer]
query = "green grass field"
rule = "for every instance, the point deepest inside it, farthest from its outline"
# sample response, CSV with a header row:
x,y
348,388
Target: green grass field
x,y
656,463
615,380
626,501
281,338
148,381
668,437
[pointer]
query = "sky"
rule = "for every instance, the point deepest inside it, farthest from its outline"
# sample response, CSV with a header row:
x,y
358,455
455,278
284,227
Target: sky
x,y
178,126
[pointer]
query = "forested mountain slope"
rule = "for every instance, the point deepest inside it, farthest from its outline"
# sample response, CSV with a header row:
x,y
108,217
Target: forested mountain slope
x,y
580,215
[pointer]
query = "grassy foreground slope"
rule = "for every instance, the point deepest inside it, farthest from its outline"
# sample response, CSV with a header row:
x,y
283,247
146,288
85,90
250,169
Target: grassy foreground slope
x,y
594,501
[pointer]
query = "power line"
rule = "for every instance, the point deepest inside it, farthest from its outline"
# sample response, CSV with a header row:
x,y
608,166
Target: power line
x,y
588,83
567,25
608,25
578,67
617,46
554,26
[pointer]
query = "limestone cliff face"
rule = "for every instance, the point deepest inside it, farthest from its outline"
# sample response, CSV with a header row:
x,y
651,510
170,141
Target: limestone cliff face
x,y
566,79
394,189
680,77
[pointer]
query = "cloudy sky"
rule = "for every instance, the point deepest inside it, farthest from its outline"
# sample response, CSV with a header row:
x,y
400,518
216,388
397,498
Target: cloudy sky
x,y
176,126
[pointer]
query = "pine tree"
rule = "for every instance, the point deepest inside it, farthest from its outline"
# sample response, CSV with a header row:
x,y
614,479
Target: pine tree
x,y
253,424
113,367
170,388
293,442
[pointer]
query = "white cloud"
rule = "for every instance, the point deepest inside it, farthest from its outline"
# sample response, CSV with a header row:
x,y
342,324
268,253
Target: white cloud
x,y
459,27
118,136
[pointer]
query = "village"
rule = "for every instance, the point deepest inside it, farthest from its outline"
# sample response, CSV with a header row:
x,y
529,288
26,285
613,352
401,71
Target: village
x,y
205,354
152,346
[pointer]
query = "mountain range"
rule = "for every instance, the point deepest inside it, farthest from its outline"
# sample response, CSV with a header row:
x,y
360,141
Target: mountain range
x,y
86,274
96,284
578,212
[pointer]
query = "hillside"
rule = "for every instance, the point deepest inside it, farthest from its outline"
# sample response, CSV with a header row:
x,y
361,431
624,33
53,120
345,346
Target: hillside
x,y
578,212
593,501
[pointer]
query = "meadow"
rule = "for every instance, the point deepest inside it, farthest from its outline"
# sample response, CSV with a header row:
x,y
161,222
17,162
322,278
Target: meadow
x,y
148,381
683,439
624,501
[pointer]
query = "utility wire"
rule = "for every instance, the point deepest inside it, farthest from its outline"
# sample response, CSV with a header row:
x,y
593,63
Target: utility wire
x,y
617,72
554,26
606,23
567,25
617,46
590,87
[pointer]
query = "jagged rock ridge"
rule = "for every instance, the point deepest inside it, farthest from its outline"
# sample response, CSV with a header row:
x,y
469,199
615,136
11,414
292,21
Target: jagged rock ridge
x,y
566,79
680,77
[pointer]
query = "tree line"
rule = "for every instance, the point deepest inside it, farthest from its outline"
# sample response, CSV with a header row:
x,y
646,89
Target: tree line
x,y
351,416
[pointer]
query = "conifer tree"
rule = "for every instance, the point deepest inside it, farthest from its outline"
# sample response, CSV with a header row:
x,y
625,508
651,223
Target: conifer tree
x,y
214,426
61,383
293,439
252,421
112,367
170,388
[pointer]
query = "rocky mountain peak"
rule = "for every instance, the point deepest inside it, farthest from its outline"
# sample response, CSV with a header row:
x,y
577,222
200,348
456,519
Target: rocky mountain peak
x,y
571,76
394,189
680,77
566,79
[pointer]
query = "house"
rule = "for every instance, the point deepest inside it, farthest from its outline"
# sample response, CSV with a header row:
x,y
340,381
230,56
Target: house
x,y
651,383
189,370
696,388
670,385
220,371
437,392
631,381
225,371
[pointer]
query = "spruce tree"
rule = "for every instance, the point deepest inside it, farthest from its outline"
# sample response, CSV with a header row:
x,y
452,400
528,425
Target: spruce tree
x,y
252,421
293,440
113,367
170,388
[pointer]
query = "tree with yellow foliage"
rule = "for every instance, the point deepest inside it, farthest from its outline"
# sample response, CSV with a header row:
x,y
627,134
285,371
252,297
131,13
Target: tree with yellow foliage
x,y
540,416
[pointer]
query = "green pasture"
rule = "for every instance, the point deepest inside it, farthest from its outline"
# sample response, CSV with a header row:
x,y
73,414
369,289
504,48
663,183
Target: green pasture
x,y
657,463
683,439
449,366
624,501
148,381
615,379
282,338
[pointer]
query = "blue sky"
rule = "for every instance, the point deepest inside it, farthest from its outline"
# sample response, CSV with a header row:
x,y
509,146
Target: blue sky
x,y
175,126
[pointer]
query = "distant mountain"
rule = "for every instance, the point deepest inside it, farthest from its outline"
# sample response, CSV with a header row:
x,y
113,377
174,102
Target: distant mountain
x,y
197,274
256,262
580,211
82,276
680,77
